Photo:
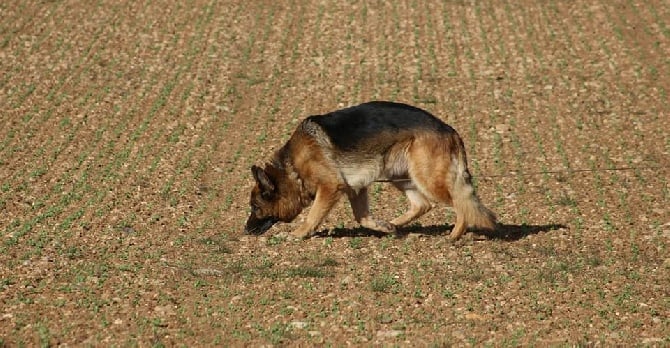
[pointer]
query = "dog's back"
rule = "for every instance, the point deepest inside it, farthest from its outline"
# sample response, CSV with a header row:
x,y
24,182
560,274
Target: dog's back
x,y
376,125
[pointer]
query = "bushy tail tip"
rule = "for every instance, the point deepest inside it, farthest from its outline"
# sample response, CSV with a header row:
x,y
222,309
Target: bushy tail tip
x,y
467,203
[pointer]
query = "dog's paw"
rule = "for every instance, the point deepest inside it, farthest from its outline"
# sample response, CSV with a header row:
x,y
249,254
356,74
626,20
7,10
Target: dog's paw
x,y
463,239
300,234
386,226
379,225
455,240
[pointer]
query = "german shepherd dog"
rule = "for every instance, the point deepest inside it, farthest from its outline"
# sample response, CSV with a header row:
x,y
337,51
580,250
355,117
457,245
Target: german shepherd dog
x,y
344,151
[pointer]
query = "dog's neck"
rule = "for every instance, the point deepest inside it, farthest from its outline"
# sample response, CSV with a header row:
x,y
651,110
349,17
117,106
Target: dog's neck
x,y
283,162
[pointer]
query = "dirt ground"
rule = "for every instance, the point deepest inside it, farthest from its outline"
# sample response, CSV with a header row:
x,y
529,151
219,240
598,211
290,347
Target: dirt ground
x,y
129,129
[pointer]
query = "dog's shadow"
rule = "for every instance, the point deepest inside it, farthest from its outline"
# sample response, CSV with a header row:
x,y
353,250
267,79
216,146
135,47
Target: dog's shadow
x,y
502,232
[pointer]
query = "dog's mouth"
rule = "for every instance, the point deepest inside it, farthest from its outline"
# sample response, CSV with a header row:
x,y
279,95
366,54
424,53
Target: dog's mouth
x,y
259,226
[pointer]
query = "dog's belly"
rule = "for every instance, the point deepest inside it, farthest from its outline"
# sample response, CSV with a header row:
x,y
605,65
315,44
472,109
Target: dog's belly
x,y
360,175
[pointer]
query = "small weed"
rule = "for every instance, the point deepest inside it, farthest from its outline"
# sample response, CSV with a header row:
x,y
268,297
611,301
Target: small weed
x,y
278,333
275,240
262,137
355,242
329,262
73,252
384,283
38,172
448,293
566,201
266,263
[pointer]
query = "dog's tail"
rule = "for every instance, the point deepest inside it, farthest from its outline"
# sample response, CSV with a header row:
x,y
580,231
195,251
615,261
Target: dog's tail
x,y
465,199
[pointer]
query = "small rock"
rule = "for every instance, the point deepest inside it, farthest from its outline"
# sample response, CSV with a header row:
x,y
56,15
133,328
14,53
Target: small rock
x,y
474,316
387,319
413,237
316,336
651,340
389,333
164,310
299,324
235,298
458,334
208,272
503,128
347,280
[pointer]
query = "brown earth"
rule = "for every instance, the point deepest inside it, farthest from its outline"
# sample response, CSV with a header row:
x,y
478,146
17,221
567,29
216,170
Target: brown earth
x,y
130,127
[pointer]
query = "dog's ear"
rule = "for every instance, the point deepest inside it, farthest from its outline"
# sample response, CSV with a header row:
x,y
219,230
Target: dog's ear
x,y
263,180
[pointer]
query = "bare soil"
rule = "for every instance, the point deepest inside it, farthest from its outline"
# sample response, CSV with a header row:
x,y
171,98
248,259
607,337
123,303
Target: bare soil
x,y
129,129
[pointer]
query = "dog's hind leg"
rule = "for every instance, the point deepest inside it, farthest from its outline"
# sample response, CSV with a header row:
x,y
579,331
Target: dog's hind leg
x,y
438,167
325,199
361,210
418,203
459,226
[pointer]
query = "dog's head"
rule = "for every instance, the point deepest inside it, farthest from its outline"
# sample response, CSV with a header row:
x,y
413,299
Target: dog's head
x,y
273,199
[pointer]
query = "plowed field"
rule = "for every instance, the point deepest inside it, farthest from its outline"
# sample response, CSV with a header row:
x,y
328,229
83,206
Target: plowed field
x,y
129,127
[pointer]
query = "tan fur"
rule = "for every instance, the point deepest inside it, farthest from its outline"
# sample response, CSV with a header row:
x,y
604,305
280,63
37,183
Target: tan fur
x,y
309,167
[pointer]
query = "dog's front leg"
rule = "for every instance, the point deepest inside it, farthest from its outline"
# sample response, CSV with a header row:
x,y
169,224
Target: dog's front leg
x,y
361,210
324,200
